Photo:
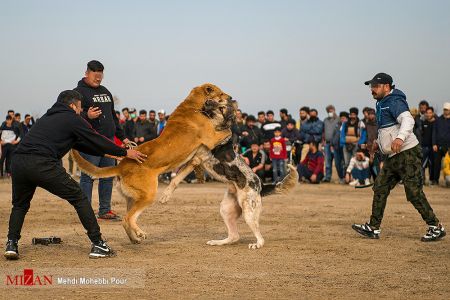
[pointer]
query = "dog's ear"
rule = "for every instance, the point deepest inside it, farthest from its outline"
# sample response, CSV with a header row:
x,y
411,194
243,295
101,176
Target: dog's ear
x,y
209,89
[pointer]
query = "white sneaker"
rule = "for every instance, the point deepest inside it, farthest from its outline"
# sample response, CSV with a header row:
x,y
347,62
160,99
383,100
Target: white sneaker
x,y
367,181
355,182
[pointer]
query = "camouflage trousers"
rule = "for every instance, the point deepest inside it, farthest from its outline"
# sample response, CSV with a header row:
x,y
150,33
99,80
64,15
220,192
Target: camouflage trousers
x,y
407,167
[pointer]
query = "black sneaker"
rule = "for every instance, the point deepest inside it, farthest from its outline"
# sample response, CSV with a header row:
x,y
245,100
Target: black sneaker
x,y
12,250
100,250
434,233
366,230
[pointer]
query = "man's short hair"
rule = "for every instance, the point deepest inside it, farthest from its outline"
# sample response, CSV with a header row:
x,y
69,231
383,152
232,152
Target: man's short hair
x,y
125,109
430,108
371,111
366,109
284,111
261,113
250,118
8,117
152,112
142,112
278,128
305,109
27,115
314,110
331,106
17,115
10,111
266,141
291,121
354,110
95,66
270,112
424,102
69,96
343,114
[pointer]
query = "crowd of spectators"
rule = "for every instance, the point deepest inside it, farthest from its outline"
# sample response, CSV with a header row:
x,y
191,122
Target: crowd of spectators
x,y
341,141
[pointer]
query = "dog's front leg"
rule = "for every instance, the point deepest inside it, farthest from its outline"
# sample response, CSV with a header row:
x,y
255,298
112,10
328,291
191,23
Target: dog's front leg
x,y
182,173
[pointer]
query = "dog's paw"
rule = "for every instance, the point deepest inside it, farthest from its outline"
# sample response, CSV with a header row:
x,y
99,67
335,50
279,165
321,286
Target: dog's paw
x,y
254,246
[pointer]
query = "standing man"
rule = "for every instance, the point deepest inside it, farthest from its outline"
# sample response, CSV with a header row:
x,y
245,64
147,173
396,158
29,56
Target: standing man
x,y
37,163
98,110
329,126
397,140
162,121
441,140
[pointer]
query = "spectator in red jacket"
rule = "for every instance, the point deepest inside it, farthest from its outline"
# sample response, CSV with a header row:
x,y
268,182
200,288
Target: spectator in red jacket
x,y
278,155
311,168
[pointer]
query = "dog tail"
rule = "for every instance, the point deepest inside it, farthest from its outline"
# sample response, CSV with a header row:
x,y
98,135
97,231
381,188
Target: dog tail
x,y
282,187
91,170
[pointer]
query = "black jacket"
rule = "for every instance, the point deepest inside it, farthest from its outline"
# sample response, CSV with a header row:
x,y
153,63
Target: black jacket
x,y
441,132
107,123
254,135
61,129
145,129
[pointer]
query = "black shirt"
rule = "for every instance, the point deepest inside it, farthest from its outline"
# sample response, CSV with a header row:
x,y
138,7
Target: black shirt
x,y
61,129
256,160
107,123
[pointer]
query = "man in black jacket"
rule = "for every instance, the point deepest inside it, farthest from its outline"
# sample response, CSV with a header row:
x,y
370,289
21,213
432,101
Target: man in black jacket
x,y
37,163
441,140
98,110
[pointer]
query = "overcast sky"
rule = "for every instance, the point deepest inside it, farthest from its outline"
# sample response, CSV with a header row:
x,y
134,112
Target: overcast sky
x,y
266,54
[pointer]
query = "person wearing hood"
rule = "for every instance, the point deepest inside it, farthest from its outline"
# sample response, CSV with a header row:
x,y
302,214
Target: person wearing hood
x,y
404,163
98,110
37,163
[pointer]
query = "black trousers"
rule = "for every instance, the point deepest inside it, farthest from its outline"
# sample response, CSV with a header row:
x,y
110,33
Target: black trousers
x,y
7,152
31,171
438,156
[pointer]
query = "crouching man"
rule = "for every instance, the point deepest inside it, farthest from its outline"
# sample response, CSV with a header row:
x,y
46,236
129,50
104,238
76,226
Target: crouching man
x,y
37,163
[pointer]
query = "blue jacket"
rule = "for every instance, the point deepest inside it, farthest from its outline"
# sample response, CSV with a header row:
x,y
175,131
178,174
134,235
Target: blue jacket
x,y
311,129
390,107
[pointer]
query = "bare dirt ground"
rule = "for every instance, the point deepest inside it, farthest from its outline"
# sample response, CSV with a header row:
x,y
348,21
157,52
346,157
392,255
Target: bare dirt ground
x,y
310,252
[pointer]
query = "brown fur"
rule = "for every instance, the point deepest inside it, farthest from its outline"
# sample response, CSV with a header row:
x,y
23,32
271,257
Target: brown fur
x,y
186,131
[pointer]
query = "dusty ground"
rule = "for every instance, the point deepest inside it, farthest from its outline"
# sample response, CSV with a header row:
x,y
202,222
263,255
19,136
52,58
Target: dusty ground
x,y
310,251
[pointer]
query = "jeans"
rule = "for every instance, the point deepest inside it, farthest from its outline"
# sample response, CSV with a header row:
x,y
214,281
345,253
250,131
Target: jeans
x,y
279,168
306,173
31,171
7,153
361,175
339,162
348,155
105,185
329,155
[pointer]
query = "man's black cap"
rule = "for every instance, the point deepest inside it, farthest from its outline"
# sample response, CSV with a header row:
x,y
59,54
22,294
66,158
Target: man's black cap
x,y
380,78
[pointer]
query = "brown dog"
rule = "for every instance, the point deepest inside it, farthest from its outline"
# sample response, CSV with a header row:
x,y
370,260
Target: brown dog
x,y
189,128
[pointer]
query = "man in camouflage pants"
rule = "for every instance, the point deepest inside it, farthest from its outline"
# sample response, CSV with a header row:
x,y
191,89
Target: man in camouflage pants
x,y
404,162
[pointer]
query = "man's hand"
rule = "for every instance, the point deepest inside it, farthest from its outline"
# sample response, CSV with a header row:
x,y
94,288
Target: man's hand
x,y
93,112
136,155
136,139
313,178
396,145
125,141
435,148
347,177
141,139
245,133
15,142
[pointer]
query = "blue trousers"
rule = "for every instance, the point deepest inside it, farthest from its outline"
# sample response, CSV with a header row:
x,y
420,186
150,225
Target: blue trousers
x,y
339,162
278,166
105,185
329,155
306,173
361,175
